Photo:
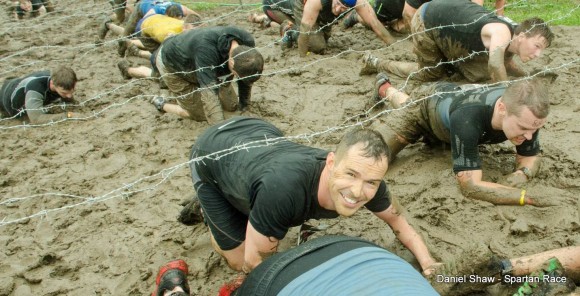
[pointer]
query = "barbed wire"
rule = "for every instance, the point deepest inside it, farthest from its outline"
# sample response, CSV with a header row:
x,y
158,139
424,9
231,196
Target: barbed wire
x,y
143,184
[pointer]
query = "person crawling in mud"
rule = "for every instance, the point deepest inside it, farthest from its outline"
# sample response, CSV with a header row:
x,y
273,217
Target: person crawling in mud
x,y
30,94
32,8
482,49
470,115
313,22
250,198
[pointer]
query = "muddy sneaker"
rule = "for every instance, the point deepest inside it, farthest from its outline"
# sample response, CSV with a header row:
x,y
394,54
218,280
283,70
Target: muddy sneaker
x,y
133,50
287,35
171,275
350,20
381,79
124,66
191,213
104,28
158,102
122,47
369,64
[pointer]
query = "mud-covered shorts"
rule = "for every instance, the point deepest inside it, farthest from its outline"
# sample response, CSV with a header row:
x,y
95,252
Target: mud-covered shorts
x,y
421,118
432,50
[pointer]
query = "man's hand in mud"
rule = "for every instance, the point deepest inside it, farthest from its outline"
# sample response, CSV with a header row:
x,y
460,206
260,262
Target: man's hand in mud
x,y
432,269
516,179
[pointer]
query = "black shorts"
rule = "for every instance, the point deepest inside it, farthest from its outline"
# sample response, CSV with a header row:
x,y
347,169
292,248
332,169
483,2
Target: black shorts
x,y
226,223
36,5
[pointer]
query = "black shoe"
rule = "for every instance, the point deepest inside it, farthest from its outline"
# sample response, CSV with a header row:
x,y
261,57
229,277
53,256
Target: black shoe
x,y
103,28
287,34
191,213
124,66
158,102
381,79
122,47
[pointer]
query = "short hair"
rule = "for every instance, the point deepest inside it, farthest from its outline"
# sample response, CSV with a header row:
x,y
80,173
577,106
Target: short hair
x,y
374,144
174,11
535,26
529,93
64,77
192,19
248,62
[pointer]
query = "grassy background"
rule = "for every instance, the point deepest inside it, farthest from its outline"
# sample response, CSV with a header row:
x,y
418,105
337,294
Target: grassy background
x,y
558,12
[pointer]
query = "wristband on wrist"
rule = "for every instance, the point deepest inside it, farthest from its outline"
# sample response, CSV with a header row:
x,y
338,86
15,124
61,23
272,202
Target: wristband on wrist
x,y
68,114
523,197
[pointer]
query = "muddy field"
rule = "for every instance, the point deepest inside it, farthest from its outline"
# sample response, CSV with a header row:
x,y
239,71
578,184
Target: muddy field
x,y
89,206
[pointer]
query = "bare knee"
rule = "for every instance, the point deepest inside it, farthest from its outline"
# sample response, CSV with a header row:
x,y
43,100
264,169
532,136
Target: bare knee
x,y
234,258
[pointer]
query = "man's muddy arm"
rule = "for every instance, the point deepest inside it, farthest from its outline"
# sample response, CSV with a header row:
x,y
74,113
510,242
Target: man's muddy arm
x,y
258,248
408,237
366,12
472,186
311,11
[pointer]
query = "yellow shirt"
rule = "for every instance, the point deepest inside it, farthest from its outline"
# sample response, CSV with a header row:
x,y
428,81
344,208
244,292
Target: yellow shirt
x,y
161,26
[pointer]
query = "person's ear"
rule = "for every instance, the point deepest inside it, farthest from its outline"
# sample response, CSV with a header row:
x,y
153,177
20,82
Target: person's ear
x,y
330,159
501,107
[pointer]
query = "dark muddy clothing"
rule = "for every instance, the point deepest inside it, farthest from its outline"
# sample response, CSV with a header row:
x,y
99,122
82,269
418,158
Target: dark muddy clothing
x,y
390,10
460,118
29,95
458,43
274,186
284,6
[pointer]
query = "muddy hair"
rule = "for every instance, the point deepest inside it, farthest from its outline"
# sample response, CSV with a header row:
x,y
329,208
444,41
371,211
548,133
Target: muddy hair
x,y
192,19
64,77
535,26
248,61
529,93
174,11
374,144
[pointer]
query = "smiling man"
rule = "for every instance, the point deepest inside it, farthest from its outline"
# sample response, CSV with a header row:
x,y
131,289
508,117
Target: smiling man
x,y
252,196
471,116
30,94
471,41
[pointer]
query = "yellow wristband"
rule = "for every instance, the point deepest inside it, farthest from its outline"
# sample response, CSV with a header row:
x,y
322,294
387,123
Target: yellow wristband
x,y
69,114
522,197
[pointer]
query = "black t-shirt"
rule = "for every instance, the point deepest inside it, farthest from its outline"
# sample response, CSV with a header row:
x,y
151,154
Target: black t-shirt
x,y
204,50
389,10
470,114
461,21
274,183
31,92
325,16
416,3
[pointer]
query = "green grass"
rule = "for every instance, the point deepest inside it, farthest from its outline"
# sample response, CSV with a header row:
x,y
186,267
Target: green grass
x,y
557,12
211,4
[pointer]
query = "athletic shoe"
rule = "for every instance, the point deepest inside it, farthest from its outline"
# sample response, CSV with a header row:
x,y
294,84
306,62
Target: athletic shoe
x,y
381,79
287,36
122,47
124,66
133,50
158,102
191,213
350,20
172,274
103,28
369,64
